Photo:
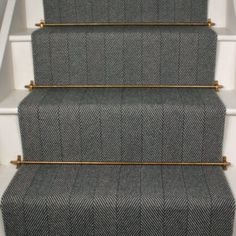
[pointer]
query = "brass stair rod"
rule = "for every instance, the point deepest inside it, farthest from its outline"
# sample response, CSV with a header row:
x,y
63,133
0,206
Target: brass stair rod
x,y
216,86
20,162
43,24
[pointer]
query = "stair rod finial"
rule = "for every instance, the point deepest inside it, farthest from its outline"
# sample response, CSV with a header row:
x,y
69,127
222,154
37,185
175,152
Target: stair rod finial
x,y
210,23
218,86
41,24
30,86
17,162
226,163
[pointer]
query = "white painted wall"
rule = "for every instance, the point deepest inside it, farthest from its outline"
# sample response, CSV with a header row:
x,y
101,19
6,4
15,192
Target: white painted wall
x,y
2,10
225,64
6,80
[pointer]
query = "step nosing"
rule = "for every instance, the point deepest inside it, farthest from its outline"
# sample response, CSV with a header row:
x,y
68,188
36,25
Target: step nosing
x,y
28,38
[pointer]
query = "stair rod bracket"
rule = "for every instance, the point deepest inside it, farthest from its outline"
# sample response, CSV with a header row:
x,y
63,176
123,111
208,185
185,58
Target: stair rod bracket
x,y
215,86
43,24
224,164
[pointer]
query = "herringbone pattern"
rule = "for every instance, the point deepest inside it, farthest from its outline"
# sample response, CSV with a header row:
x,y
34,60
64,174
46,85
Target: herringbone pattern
x,y
147,125
130,55
67,11
113,200
143,125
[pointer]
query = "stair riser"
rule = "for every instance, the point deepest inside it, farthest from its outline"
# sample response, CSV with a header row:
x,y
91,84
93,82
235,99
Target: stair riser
x,y
10,145
217,10
23,64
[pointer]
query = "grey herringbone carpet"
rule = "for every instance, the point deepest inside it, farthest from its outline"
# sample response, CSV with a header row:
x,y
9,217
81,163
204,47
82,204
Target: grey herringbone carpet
x,y
124,55
70,11
122,125
115,200
144,125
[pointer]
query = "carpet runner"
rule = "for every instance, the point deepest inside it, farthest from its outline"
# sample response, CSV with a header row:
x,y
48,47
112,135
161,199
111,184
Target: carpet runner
x,y
167,125
72,11
118,200
124,55
122,124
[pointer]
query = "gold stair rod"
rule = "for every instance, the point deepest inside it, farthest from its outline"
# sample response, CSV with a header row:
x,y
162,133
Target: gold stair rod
x,y
43,24
32,86
20,162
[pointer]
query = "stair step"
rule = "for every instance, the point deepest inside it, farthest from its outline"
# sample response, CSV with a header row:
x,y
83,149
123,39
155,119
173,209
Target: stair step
x,y
23,68
229,99
9,106
7,172
116,195
224,34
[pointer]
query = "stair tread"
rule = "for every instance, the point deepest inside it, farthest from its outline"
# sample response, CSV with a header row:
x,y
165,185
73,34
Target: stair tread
x,y
224,34
68,117
101,189
10,104
7,172
125,11
229,99
118,55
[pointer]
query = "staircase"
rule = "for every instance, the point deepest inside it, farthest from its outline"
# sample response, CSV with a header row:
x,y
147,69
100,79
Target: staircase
x,y
131,200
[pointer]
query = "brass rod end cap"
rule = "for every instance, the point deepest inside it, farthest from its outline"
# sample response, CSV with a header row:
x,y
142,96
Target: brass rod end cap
x,y
218,86
30,86
210,23
41,24
226,163
17,162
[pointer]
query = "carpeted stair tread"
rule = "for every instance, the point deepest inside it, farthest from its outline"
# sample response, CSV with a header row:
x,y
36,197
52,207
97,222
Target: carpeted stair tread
x,y
118,200
72,11
124,55
122,125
